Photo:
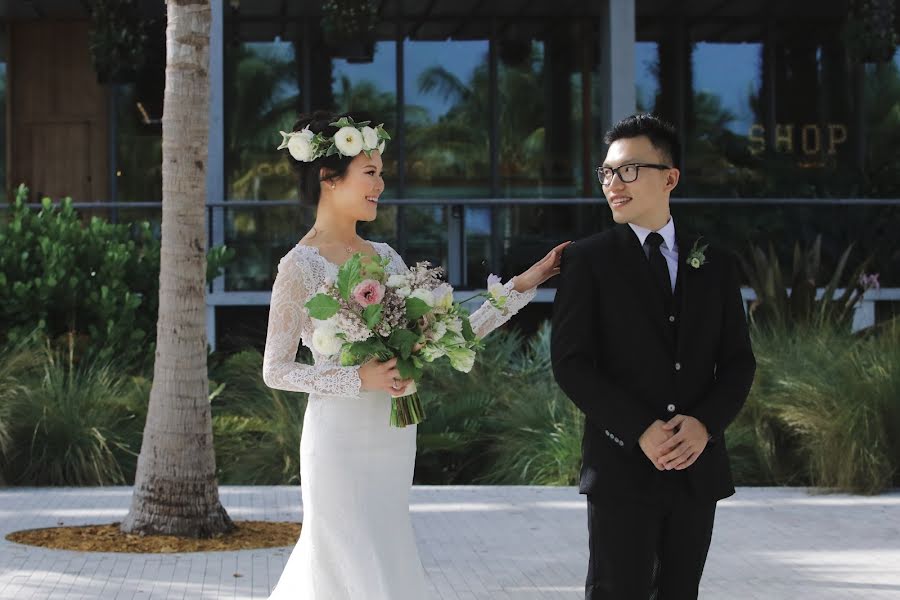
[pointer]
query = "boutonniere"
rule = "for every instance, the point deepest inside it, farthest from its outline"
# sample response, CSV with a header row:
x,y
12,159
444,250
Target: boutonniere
x,y
697,257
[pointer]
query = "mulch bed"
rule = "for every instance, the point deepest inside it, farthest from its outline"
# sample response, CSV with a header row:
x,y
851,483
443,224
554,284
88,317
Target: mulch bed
x,y
248,535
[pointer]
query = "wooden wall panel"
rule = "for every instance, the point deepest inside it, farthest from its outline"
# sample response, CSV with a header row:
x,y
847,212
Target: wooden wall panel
x,y
59,113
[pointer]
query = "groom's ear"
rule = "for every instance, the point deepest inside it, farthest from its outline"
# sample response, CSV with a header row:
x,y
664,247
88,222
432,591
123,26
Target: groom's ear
x,y
672,178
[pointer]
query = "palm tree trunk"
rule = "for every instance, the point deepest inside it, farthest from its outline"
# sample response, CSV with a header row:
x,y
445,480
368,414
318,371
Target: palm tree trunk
x,y
175,489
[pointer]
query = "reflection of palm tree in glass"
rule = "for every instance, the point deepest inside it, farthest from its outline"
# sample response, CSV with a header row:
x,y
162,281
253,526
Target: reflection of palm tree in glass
x,y
261,98
456,145
882,165
717,161
364,96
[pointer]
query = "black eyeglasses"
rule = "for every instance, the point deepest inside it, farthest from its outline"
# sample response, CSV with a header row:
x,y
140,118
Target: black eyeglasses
x,y
626,173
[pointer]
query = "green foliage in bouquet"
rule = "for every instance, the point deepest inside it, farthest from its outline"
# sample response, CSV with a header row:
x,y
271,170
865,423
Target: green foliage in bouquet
x,y
365,314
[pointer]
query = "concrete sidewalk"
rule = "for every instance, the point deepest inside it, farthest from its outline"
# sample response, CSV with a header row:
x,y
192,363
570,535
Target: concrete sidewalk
x,y
505,543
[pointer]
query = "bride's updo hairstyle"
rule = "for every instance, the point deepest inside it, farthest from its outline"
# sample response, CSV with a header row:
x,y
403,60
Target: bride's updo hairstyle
x,y
311,174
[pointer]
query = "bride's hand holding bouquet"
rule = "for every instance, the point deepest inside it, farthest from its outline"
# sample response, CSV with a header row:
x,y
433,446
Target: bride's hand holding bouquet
x,y
393,325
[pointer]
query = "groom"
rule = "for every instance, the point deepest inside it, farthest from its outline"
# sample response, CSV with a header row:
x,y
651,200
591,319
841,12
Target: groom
x,y
651,343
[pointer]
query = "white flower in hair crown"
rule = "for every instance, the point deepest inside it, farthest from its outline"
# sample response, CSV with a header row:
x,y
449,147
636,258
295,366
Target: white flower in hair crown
x,y
351,139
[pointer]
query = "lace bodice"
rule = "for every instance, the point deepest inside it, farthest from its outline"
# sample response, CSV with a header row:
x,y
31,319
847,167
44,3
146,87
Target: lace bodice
x,y
301,272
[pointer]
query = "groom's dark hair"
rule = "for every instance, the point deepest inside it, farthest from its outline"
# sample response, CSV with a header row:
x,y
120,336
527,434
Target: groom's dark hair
x,y
662,135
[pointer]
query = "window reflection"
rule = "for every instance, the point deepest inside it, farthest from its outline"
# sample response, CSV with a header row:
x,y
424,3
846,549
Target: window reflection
x,y
646,77
724,94
882,119
447,119
260,236
138,145
542,147
261,98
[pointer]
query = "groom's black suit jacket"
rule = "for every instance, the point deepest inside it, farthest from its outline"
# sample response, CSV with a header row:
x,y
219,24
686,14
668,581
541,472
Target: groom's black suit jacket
x,y
626,361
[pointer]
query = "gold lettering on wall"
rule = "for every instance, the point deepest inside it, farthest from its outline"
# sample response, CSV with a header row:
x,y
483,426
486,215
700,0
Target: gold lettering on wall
x,y
757,137
810,142
837,134
784,137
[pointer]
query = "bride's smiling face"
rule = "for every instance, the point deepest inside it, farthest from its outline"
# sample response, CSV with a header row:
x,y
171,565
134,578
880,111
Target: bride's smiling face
x,y
356,194
644,201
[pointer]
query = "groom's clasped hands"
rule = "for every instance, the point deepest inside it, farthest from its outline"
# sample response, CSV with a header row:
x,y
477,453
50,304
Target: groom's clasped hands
x,y
674,444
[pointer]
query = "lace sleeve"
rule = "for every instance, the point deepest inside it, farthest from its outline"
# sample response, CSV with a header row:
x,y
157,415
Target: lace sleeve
x,y
487,318
287,317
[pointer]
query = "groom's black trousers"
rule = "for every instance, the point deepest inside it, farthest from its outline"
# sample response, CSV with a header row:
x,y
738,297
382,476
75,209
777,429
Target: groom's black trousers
x,y
650,548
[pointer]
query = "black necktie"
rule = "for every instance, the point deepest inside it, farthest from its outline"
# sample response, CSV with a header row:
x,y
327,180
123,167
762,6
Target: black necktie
x,y
659,267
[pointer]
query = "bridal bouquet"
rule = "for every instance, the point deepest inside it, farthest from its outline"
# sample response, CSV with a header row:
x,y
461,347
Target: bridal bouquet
x,y
368,314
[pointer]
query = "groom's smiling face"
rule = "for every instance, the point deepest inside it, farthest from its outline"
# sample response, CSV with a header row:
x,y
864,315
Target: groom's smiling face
x,y
644,201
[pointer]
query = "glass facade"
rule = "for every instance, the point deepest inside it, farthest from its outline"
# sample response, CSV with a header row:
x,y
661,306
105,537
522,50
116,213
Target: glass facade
x,y
138,151
507,110
779,111
447,119
480,120
498,112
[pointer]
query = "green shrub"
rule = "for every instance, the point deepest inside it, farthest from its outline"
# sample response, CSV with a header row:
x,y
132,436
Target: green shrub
x,y
778,308
18,363
539,430
454,441
99,280
824,409
75,424
256,428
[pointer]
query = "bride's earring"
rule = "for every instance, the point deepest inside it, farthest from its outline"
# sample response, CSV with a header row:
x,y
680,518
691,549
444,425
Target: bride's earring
x,y
332,186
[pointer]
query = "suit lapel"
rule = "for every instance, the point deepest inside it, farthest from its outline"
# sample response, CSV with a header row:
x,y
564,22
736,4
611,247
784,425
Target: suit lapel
x,y
635,271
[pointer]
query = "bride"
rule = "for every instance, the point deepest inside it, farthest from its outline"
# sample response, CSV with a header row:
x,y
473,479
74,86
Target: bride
x,y
357,541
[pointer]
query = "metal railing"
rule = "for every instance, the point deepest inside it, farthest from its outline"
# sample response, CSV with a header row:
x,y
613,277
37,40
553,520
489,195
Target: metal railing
x,y
218,295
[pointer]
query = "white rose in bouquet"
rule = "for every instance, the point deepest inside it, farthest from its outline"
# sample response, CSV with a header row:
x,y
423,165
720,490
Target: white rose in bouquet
x,y
325,339
443,297
424,295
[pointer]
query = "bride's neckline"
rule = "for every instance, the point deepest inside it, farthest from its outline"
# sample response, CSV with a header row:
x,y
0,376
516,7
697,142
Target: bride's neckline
x,y
315,249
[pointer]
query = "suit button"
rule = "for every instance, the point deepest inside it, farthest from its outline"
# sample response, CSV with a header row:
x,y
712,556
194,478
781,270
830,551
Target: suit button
x,y
671,408
671,318
606,431
621,443
678,366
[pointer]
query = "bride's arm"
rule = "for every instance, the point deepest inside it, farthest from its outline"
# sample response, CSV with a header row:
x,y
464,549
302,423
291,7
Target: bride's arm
x,y
487,318
520,291
287,316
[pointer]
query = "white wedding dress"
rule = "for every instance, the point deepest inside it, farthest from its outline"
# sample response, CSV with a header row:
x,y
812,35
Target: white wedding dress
x,y
357,539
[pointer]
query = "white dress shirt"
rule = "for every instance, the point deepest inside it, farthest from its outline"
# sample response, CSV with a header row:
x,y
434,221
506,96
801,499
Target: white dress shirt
x,y
669,247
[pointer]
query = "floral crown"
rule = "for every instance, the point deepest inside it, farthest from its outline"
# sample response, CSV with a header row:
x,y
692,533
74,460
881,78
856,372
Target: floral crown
x,y
351,139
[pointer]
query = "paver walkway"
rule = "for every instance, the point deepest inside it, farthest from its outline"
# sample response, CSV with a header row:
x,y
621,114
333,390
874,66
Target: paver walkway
x,y
504,543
